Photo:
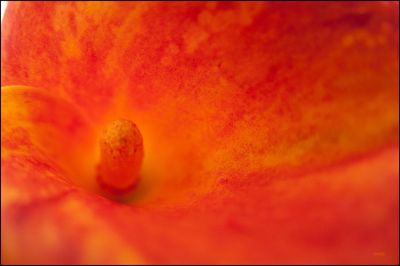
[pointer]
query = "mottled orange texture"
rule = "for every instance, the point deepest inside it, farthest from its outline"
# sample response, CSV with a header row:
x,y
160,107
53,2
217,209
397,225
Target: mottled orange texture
x,y
121,155
270,131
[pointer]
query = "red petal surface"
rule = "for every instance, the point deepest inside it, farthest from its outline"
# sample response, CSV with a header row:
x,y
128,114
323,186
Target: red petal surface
x,y
270,132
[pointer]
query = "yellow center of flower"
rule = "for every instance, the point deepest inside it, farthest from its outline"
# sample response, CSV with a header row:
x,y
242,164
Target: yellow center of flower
x,y
121,151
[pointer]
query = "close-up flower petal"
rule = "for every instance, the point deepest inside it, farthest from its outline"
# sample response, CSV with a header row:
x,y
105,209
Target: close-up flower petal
x,y
200,132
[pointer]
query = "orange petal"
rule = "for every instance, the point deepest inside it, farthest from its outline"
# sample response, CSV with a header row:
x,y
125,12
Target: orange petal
x,y
270,130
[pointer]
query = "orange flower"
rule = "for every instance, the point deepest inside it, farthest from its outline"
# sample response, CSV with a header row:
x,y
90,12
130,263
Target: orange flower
x,y
270,132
